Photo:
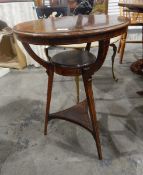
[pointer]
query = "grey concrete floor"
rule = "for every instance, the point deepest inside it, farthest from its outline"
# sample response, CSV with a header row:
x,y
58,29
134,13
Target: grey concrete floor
x,y
69,149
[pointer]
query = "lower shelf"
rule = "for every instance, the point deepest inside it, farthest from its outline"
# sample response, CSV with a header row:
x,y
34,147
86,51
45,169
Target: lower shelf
x,y
77,114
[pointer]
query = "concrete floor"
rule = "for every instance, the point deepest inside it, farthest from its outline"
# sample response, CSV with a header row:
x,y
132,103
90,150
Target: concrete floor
x,y
68,149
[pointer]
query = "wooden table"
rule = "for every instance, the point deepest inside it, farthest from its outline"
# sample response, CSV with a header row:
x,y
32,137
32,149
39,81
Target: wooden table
x,y
72,30
135,6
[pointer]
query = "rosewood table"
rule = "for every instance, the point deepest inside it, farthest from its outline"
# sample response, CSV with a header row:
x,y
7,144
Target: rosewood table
x,y
71,30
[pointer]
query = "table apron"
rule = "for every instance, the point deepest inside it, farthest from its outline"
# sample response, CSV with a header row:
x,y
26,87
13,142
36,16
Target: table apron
x,y
66,40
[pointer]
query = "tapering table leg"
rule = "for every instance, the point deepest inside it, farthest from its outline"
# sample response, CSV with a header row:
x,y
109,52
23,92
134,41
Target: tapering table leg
x,y
90,100
49,93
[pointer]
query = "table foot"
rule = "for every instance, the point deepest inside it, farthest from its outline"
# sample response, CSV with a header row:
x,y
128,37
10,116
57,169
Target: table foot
x,y
137,67
77,114
140,93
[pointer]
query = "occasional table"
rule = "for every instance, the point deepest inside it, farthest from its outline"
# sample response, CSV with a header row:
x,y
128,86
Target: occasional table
x,y
72,30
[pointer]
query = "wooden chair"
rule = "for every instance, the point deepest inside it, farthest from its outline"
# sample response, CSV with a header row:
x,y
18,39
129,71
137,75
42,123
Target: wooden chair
x,y
136,19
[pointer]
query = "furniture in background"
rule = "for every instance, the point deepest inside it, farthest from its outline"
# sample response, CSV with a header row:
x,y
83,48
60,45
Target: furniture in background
x,y
16,12
11,55
79,29
136,6
136,19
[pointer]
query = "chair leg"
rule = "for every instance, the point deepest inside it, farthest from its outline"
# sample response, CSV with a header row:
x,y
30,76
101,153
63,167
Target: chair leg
x,y
122,46
49,92
119,47
113,58
77,87
47,53
90,100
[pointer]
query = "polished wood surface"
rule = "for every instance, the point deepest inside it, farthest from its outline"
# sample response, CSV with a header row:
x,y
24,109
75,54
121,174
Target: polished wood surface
x,y
70,29
78,58
132,4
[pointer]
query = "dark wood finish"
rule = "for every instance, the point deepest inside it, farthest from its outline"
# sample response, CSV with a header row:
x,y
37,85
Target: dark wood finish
x,y
50,73
134,5
90,99
77,114
67,30
78,63
78,59
70,29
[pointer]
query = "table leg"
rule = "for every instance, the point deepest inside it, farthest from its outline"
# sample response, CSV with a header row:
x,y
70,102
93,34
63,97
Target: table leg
x,y
90,100
49,93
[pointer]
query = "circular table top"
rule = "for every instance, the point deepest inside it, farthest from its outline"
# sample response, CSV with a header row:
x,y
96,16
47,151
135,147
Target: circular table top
x,y
70,29
132,4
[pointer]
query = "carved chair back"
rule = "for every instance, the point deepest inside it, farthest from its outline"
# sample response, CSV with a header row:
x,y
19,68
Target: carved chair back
x,y
135,17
